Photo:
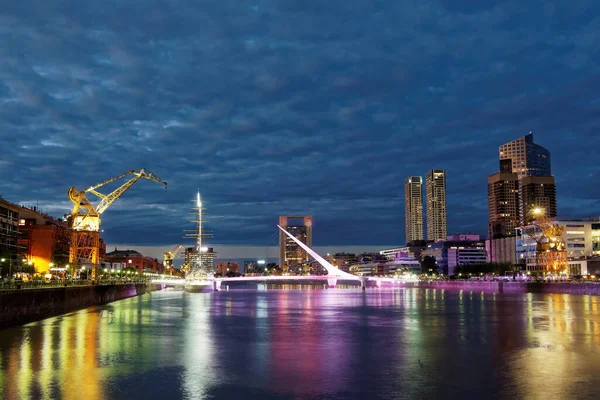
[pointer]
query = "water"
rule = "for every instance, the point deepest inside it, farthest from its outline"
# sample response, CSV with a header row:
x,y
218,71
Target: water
x,y
311,344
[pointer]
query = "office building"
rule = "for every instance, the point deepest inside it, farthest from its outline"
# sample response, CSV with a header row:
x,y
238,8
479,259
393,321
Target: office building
x,y
203,261
225,268
413,208
537,192
9,230
526,165
527,158
456,250
437,219
502,250
503,204
256,267
292,258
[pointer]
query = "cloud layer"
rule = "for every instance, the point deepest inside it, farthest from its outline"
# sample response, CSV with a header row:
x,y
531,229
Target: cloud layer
x,y
286,107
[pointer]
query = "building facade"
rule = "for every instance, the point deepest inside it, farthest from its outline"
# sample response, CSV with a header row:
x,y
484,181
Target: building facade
x,y
118,260
527,158
292,258
437,218
413,208
530,163
227,267
503,204
581,237
502,250
45,240
9,231
456,250
467,254
537,192
205,260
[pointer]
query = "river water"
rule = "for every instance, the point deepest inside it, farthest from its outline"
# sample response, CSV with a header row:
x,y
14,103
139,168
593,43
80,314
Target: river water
x,y
311,344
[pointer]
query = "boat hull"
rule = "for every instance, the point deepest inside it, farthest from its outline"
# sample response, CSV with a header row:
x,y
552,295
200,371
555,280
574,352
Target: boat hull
x,y
198,288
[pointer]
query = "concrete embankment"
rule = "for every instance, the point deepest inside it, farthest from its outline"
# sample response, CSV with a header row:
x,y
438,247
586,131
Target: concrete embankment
x,y
515,287
21,306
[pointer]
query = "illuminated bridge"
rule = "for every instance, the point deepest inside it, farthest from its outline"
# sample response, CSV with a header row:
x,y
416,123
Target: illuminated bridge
x,y
333,274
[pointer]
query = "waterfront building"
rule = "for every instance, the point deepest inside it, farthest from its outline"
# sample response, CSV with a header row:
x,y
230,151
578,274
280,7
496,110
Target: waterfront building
x,y
526,165
595,235
413,208
256,267
45,240
537,192
203,260
119,260
456,250
391,254
581,238
437,220
503,204
9,232
502,250
386,267
342,260
225,267
292,258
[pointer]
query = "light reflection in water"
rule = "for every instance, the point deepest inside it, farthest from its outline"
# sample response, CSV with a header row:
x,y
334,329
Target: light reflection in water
x,y
320,343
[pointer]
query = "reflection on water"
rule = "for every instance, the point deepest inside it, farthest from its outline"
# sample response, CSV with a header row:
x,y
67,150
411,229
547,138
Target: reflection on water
x,y
339,344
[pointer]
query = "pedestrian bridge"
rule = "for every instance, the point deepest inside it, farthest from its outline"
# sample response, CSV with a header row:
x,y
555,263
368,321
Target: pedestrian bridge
x,y
333,274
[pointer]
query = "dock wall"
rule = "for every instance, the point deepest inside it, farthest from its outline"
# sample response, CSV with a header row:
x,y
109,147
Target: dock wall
x,y
26,305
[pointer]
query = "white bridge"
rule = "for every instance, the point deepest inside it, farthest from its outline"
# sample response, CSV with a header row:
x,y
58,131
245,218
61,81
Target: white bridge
x,y
333,274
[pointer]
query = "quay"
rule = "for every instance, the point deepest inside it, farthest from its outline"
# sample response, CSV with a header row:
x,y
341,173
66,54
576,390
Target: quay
x,y
29,303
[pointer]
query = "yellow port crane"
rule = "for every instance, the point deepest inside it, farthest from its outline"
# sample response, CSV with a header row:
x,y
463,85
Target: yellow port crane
x,y
169,256
84,219
550,254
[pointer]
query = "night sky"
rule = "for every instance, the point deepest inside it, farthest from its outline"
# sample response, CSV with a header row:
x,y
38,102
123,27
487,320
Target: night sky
x,y
293,107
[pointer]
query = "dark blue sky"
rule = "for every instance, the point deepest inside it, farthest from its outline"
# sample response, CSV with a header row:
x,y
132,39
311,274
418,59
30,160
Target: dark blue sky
x,y
293,107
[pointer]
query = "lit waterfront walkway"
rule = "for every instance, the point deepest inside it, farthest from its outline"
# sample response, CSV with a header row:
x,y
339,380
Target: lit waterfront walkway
x,y
5,286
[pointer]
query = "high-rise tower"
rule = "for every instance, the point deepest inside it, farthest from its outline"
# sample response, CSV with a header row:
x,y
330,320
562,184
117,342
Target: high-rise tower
x,y
527,158
503,204
291,256
524,182
437,220
413,208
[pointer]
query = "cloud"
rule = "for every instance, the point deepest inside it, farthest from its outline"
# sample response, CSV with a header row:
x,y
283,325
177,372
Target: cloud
x,y
271,108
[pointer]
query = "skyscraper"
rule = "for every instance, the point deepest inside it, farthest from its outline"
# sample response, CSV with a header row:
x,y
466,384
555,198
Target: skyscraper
x,y
527,158
538,192
437,220
413,208
525,181
291,256
503,204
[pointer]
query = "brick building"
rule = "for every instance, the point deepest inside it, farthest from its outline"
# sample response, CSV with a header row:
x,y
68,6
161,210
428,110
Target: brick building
x,y
223,267
123,259
44,239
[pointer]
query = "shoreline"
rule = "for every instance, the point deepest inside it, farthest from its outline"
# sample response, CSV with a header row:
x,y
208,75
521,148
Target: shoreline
x,y
22,306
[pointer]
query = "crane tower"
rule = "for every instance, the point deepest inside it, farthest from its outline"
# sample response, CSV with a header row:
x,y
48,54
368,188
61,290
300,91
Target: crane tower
x,y
169,256
84,219
550,254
